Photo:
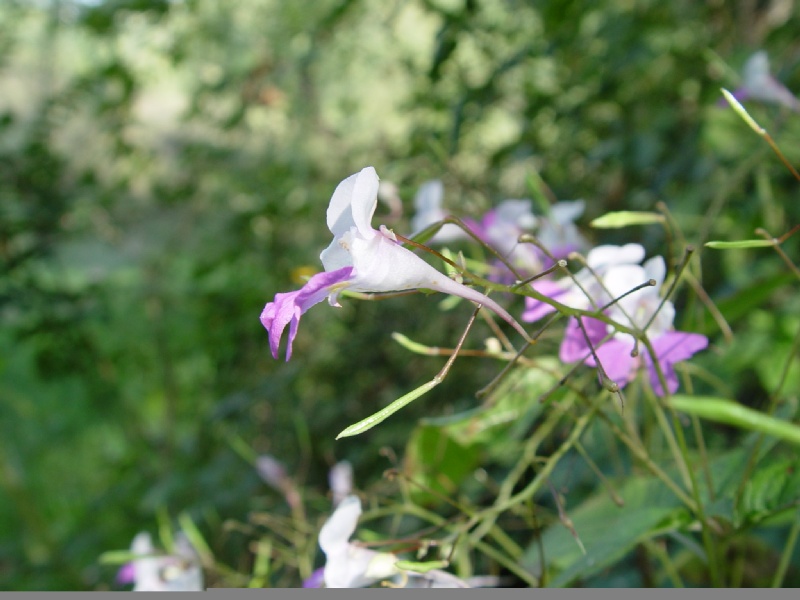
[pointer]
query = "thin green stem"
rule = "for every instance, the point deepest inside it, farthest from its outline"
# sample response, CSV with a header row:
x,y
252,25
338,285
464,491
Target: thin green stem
x,y
788,551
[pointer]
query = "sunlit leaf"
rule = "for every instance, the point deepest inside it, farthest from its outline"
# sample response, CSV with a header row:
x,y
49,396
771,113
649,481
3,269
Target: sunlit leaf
x,y
421,567
385,413
740,244
626,218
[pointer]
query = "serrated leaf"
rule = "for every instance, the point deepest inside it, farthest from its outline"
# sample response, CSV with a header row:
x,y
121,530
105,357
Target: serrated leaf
x,y
771,489
626,218
717,245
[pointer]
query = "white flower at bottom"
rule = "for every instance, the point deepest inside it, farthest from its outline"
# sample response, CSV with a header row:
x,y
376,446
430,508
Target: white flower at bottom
x,y
349,565
178,572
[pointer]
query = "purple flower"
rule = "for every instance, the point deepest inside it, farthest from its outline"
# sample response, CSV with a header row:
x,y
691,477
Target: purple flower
x,y
361,259
637,311
502,226
583,290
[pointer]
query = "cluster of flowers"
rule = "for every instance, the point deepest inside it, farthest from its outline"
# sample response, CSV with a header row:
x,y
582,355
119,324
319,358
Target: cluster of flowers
x,y
348,564
361,258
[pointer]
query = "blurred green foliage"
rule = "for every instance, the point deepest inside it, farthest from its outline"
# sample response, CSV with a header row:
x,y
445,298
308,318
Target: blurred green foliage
x,y
164,171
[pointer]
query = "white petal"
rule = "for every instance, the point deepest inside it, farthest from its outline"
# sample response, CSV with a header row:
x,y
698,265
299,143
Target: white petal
x,y
365,199
340,215
340,479
655,268
622,279
429,196
607,256
517,213
145,569
337,254
756,70
353,203
566,212
356,567
336,532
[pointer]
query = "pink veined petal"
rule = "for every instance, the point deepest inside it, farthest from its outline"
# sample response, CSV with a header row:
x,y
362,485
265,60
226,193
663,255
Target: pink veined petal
x,y
536,309
618,364
574,346
670,348
676,346
289,307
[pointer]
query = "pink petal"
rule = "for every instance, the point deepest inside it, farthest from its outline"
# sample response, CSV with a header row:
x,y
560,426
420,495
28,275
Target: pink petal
x,y
574,346
536,309
289,307
670,348
353,203
618,364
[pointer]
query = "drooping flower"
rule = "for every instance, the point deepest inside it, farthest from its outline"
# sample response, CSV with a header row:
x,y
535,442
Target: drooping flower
x,y
644,309
155,572
759,84
361,259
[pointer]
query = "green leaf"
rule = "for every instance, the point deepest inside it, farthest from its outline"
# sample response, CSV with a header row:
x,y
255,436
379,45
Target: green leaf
x,y
507,414
117,557
385,413
421,567
740,244
733,413
608,532
626,218
437,463
772,489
